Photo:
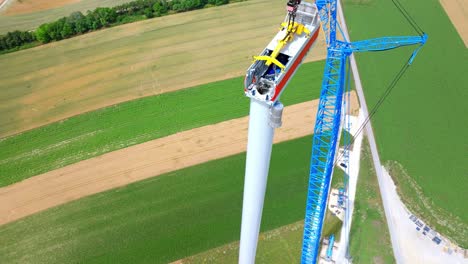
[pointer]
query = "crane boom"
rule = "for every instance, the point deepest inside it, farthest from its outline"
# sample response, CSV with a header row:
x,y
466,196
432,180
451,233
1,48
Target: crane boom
x,y
323,152
381,44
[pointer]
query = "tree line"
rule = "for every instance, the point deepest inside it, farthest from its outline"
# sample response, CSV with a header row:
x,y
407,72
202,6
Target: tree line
x,y
77,23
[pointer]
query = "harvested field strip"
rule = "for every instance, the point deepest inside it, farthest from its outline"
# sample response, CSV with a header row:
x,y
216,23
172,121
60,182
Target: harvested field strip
x,y
457,10
95,133
161,219
11,20
95,70
143,161
420,125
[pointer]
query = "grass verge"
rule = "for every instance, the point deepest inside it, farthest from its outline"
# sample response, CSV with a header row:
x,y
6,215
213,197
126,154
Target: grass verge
x,y
369,237
161,219
440,219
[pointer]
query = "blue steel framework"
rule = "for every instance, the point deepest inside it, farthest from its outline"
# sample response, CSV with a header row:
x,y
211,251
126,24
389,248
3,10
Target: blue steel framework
x,y
327,126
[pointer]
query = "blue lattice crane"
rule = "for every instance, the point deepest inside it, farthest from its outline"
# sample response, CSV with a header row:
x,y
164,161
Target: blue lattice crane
x,y
327,127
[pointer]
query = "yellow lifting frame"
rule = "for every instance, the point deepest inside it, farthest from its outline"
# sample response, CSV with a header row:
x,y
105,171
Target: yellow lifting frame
x,y
294,28
269,60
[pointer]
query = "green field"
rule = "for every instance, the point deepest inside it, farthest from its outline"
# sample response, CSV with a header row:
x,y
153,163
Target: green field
x,y
161,219
32,20
94,133
369,237
277,246
422,124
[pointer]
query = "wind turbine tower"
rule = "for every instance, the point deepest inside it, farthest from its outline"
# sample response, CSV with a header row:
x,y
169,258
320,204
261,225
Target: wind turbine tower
x,y
265,80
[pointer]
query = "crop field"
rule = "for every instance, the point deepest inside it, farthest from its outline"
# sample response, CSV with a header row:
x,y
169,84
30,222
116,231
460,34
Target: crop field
x,y
369,237
422,124
277,246
94,133
30,6
162,219
52,82
32,13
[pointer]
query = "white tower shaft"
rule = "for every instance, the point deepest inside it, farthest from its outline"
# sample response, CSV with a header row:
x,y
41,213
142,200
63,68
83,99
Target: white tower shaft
x,y
260,141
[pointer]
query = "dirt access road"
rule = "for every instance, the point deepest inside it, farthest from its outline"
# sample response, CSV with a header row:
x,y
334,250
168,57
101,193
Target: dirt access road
x,y
143,161
457,10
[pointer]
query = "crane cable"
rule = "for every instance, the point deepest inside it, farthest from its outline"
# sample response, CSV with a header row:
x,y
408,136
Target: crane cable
x,y
392,85
376,107
408,17
289,30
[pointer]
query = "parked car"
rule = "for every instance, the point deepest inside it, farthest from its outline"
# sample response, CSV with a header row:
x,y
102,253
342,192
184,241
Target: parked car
x,y
418,223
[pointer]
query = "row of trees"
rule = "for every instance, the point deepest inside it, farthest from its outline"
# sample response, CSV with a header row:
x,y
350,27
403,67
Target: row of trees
x,y
15,39
78,23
